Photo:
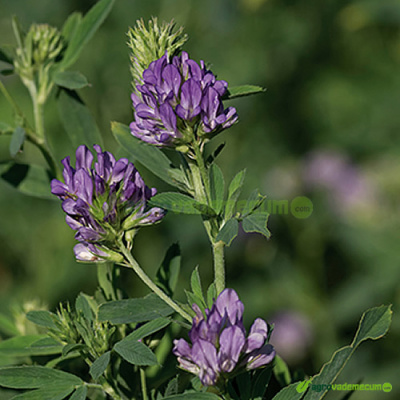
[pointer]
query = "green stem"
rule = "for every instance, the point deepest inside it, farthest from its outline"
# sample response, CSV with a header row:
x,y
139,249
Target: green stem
x,y
219,266
143,384
145,278
30,135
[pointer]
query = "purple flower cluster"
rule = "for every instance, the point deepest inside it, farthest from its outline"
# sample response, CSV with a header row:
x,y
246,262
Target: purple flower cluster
x,y
219,343
176,95
103,202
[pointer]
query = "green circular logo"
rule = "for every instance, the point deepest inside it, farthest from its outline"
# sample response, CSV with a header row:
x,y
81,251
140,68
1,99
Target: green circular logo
x,y
301,207
387,387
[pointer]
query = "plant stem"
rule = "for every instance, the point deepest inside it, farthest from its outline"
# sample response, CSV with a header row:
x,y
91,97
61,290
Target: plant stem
x,y
143,384
201,185
131,262
219,266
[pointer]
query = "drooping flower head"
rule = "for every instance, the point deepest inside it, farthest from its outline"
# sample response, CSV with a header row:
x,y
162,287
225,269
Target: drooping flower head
x,y
177,95
103,203
219,342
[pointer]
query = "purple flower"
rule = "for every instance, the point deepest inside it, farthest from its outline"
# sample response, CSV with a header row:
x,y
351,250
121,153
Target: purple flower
x,y
103,202
176,95
219,343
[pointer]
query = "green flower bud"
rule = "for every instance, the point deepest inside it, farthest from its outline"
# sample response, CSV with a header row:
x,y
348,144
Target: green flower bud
x,y
149,44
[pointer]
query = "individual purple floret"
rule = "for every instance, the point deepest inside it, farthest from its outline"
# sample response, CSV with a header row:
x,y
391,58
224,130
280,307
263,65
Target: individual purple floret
x,y
219,342
176,95
103,203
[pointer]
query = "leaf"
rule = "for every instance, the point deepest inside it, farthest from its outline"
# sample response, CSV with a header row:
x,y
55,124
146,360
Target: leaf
x,y
135,353
149,156
211,295
79,394
229,231
17,140
260,381
168,273
100,365
77,120
58,392
241,91
289,393
70,79
148,329
85,30
195,284
134,310
177,202
194,299
234,191
217,188
70,25
34,377
281,371
253,202
29,345
82,305
193,396
205,210
373,325
69,348
257,223
29,179
42,318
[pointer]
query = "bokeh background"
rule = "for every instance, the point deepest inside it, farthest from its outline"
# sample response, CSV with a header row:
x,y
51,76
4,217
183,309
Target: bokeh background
x,y
327,128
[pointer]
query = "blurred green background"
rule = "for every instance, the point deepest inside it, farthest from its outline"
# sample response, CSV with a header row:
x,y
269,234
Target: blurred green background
x,y
326,128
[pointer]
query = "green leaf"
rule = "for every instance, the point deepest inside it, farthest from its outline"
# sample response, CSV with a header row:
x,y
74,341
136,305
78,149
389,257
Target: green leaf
x,y
69,348
195,284
168,273
29,179
17,140
135,352
234,191
58,392
85,30
257,223
205,209
77,120
260,381
82,305
100,365
240,91
30,345
373,325
42,318
211,295
193,396
177,202
70,79
71,24
35,377
134,310
289,393
217,188
253,202
149,156
281,371
79,394
229,231
148,329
